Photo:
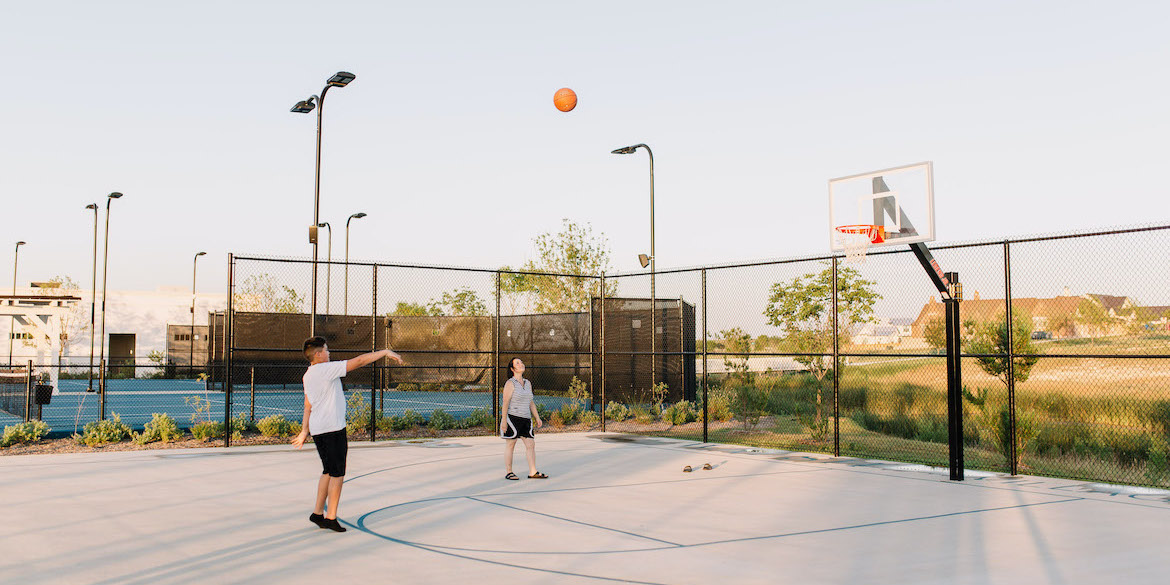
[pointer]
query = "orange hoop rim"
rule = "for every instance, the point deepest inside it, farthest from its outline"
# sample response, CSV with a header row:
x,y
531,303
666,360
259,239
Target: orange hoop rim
x,y
876,233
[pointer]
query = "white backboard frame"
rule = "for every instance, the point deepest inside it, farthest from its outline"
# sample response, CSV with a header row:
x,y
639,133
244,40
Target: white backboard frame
x,y
924,188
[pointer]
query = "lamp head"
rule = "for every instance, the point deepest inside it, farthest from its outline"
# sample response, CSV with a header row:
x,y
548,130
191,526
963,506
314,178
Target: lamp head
x,y
625,150
20,243
114,195
358,215
198,254
324,224
304,106
92,206
644,260
340,79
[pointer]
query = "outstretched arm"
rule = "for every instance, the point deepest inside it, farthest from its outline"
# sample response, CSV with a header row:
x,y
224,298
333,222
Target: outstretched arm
x,y
368,358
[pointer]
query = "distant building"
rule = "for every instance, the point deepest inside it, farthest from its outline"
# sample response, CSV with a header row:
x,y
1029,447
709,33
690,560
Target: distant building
x,y
1065,316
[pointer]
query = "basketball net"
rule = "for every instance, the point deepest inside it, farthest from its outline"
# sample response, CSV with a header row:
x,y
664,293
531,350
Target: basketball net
x,y
855,240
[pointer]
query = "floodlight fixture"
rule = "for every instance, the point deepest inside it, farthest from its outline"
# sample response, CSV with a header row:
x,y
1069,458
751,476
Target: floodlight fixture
x,y
341,79
644,260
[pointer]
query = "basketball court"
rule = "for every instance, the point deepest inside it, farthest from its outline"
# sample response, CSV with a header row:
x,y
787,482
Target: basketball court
x,y
617,508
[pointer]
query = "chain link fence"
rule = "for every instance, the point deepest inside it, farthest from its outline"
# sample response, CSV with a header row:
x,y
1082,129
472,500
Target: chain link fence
x,y
1065,364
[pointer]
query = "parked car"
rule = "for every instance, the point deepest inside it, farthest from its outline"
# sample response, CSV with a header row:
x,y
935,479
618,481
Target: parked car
x,y
1041,335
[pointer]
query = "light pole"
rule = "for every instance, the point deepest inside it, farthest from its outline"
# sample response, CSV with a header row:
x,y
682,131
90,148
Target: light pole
x,y
93,296
339,79
643,260
328,263
12,325
357,215
105,272
191,359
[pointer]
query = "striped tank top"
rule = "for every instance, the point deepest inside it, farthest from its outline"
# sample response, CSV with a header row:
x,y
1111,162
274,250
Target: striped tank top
x,y
521,399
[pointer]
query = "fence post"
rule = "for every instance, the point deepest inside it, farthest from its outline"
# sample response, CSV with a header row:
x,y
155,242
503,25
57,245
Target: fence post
x,y
602,340
28,391
102,389
227,356
706,410
836,367
1013,463
373,345
252,387
495,378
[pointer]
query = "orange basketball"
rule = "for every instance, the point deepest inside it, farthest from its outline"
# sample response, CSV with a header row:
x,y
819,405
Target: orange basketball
x,y
565,99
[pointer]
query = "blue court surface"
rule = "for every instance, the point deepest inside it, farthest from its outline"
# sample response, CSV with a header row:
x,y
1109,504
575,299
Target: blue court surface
x,y
615,509
135,401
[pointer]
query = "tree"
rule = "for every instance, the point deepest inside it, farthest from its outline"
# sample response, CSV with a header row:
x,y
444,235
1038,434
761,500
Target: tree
x,y
461,302
260,293
991,339
572,251
803,309
413,309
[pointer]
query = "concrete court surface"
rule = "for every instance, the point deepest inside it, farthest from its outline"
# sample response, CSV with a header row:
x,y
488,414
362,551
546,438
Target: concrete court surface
x,y
617,508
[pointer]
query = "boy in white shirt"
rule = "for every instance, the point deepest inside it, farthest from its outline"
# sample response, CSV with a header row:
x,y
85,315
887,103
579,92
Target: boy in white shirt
x,y
325,416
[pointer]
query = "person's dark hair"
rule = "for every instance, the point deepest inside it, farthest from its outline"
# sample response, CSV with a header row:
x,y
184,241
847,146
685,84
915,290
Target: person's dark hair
x,y
512,361
313,345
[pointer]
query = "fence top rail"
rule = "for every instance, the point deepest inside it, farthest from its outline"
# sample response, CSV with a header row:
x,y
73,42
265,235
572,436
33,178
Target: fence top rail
x,y
342,263
1084,233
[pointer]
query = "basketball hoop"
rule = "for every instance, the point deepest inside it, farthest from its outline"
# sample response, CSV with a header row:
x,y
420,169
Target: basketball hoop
x,y
855,240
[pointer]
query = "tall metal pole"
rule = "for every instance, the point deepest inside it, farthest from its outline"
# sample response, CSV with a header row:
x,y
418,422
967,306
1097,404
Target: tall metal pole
x,y
328,263
954,379
191,339
1013,464
706,398
603,402
836,364
358,215
653,298
93,296
12,325
105,281
317,207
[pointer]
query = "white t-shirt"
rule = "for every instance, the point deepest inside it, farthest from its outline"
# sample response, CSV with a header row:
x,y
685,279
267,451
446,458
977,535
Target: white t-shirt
x,y
326,397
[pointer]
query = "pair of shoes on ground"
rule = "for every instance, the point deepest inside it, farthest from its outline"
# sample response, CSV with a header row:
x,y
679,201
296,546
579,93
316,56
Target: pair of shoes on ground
x,y
514,477
322,522
706,466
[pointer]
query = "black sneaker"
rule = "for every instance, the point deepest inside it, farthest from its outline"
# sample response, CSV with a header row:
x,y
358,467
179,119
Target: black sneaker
x,y
333,524
318,519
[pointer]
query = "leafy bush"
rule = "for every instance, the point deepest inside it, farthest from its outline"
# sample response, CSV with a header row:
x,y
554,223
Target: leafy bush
x,y
643,414
578,391
748,404
480,417
556,420
357,414
616,412
853,398
934,430
1062,438
160,428
407,387
407,421
441,420
242,424
207,430
569,413
590,419
101,432
719,405
1129,448
25,432
1160,416
275,426
659,393
680,413
430,387
543,411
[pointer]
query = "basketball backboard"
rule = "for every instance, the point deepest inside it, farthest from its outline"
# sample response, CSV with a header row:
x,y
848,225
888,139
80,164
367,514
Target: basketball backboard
x,y
900,201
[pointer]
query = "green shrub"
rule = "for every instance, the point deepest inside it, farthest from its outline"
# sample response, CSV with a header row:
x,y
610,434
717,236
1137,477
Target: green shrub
x,y
718,407
102,432
935,430
1160,417
1129,448
850,399
899,425
242,424
207,430
480,417
543,411
25,432
1158,466
441,420
407,387
642,414
407,421
160,428
569,413
1062,438
680,413
590,418
430,387
748,404
616,412
275,426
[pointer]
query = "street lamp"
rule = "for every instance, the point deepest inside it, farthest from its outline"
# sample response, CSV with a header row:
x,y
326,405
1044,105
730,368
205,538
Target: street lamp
x,y
12,321
339,79
93,296
357,215
191,359
644,260
105,272
328,263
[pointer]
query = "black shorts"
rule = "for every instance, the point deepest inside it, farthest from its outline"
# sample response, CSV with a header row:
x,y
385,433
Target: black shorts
x,y
332,447
518,427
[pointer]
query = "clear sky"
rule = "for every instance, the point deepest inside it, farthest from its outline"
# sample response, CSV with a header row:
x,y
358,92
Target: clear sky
x,y
1039,117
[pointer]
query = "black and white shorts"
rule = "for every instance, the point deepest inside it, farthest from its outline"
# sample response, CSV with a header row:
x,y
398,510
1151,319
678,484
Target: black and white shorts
x,y
518,427
332,447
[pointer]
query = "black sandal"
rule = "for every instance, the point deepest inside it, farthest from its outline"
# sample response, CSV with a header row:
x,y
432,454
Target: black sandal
x,y
687,469
512,476
538,475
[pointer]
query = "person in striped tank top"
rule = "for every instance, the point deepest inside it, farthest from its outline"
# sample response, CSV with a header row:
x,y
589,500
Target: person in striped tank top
x,y
519,415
